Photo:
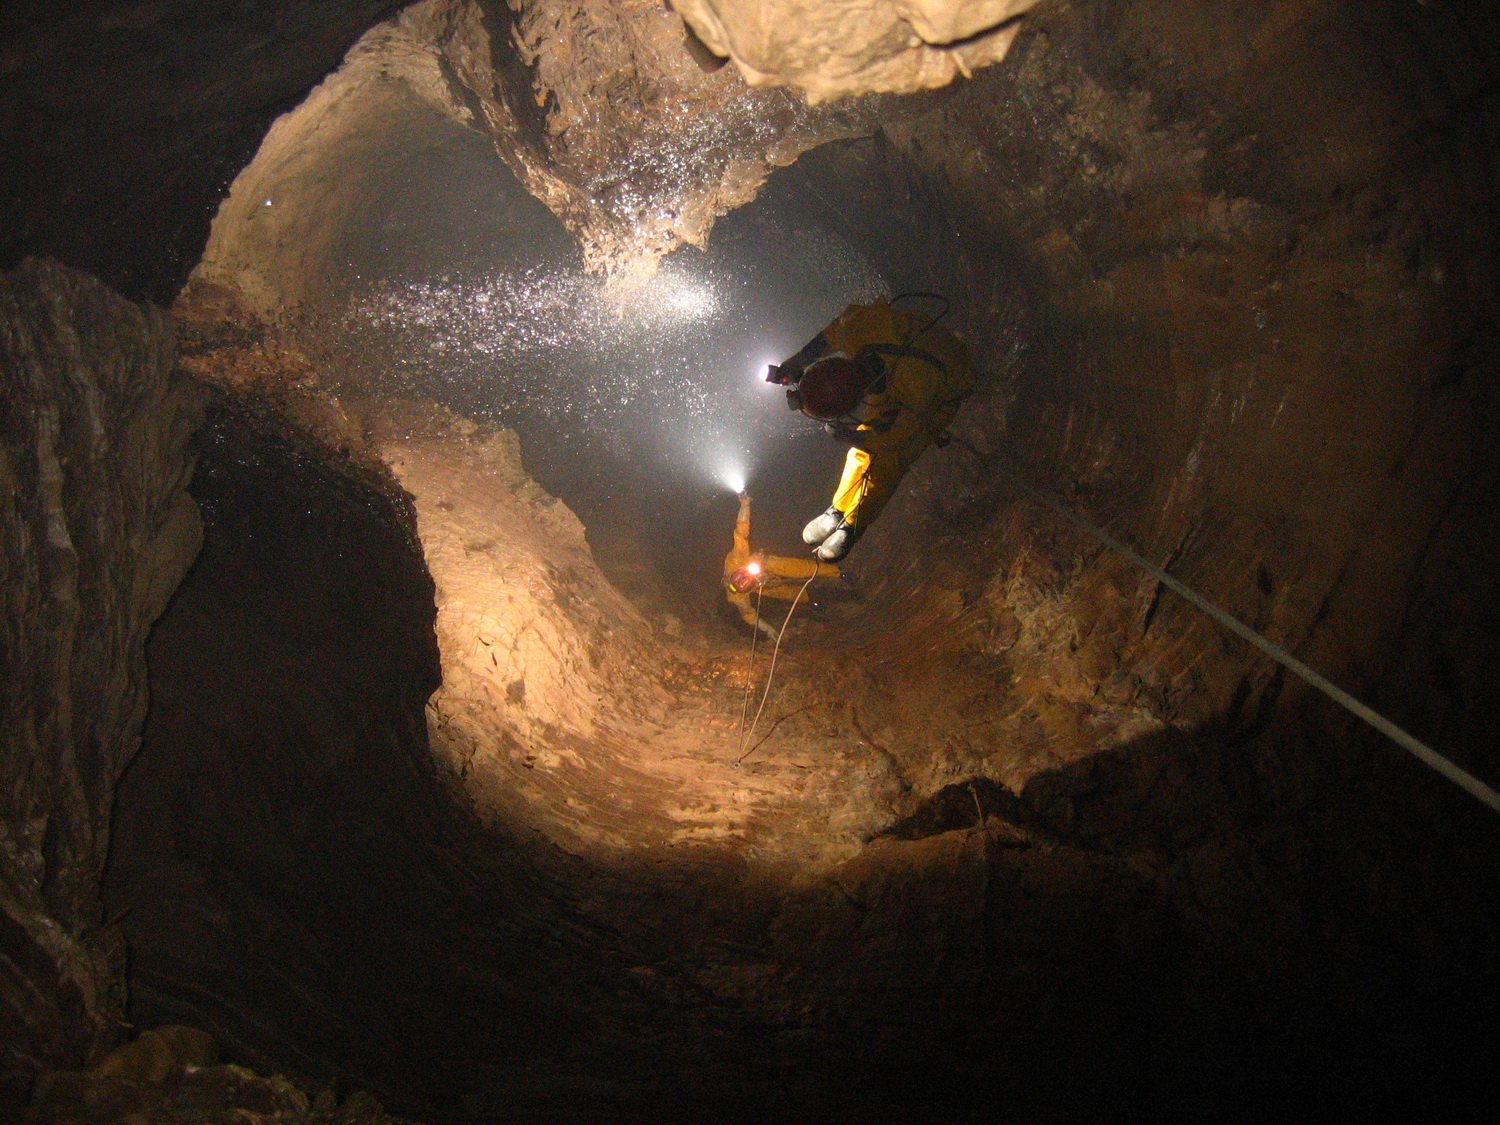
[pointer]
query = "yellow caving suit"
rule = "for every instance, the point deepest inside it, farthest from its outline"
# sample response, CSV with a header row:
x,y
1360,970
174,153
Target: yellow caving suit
x,y
927,373
781,577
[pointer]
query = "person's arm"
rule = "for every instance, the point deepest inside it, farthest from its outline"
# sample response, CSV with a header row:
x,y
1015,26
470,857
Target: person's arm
x,y
742,528
814,350
742,603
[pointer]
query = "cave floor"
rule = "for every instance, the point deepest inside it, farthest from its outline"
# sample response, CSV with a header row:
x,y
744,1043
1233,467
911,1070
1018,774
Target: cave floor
x,y
587,903
970,867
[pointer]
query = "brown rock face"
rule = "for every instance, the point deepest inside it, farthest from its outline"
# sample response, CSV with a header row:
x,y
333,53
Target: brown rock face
x,y
832,50
1269,366
97,530
192,84
1019,834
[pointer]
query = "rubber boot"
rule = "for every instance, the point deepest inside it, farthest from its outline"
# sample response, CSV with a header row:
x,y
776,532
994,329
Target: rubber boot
x,y
822,527
837,545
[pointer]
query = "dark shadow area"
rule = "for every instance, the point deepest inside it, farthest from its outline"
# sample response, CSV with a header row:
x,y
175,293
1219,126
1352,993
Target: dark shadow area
x,y
190,89
283,853
1234,928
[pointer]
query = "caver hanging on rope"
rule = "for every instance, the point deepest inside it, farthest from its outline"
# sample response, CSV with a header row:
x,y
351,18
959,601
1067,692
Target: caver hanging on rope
x,y
747,572
887,380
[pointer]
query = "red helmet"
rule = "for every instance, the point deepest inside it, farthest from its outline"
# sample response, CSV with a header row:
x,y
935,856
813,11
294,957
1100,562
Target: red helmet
x,y
746,578
831,388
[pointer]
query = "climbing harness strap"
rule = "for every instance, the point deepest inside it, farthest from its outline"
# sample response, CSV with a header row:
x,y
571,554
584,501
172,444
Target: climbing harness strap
x,y
904,351
1418,749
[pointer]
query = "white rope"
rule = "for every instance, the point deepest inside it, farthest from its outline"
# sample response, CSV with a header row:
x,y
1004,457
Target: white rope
x,y
1418,749
749,671
772,670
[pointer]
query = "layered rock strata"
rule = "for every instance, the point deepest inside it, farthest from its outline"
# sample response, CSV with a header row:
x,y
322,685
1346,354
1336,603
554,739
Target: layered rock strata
x,y
97,529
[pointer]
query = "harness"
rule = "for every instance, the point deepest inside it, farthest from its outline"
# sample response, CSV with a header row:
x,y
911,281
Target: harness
x,y
882,417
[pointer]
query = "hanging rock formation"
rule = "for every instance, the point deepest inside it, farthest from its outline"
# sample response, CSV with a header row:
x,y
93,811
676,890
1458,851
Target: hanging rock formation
x,y
597,108
833,50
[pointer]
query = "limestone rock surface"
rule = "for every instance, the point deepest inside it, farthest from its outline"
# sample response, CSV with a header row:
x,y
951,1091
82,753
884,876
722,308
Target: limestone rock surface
x,y
598,109
834,50
96,530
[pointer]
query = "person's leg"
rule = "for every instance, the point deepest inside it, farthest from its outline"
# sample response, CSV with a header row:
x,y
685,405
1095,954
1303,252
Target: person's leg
x,y
853,484
788,576
798,570
873,486
833,532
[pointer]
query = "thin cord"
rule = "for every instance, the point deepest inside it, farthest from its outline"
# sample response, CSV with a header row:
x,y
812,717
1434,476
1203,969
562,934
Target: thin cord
x,y
749,670
770,674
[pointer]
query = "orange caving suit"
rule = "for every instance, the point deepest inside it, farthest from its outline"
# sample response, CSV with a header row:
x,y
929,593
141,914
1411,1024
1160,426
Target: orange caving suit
x,y
927,373
783,577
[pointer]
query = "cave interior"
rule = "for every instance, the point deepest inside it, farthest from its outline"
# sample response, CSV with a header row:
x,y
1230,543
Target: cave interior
x,y
379,740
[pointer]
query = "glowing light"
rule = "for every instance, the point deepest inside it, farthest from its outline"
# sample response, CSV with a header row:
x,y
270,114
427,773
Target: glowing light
x,y
655,368
753,568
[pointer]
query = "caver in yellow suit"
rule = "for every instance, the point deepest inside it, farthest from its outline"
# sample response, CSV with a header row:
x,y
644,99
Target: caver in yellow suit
x,y
888,381
746,572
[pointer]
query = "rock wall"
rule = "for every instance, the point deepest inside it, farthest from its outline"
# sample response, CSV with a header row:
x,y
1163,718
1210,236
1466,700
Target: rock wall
x,y
281,830
833,50
541,655
97,529
124,123
1259,334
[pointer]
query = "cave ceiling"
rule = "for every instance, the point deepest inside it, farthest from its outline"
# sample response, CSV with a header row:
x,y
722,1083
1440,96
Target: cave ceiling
x,y
833,50
614,115
603,113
